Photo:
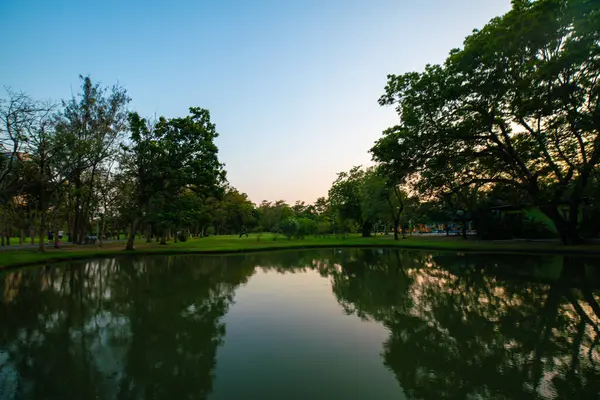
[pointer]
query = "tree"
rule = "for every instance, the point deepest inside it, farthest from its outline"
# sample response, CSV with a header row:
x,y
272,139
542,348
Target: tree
x,y
170,159
517,106
45,169
140,161
18,113
37,161
94,124
272,214
367,196
345,198
237,212
289,227
321,206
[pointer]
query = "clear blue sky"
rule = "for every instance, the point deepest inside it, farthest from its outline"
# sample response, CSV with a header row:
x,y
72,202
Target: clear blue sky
x,y
292,85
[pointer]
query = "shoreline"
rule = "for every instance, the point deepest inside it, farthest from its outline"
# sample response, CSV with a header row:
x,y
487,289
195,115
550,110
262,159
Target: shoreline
x,y
20,258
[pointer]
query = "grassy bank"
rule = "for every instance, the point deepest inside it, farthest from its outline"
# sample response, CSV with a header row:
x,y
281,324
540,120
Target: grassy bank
x,y
231,244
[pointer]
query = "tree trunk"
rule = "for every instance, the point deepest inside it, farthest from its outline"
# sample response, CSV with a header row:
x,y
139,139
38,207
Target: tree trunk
x,y
566,227
71,234
464,229
32,236
87,202
56,240
131,238
22,237
77,209
163,238
42,244
396,230
101,234
69,203
366,229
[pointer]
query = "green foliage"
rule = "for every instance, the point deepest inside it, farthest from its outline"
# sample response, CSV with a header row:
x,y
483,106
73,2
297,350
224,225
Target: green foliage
x,y
174,167
306,227
344,195
324,228
535,228
233,211
515,107
367,196
289,227
272,214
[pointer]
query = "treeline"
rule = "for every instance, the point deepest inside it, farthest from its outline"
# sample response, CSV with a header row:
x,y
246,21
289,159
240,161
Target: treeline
x,y
92,169
89,166
511,119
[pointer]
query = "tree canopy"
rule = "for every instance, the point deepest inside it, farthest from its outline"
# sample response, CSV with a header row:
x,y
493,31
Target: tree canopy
x,y
517,106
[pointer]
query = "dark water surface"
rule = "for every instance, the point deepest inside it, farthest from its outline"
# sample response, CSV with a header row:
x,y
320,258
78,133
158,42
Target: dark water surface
x,y
326,324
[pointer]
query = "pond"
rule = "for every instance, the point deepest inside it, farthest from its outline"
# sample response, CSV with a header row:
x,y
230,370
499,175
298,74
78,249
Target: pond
x,y
315,324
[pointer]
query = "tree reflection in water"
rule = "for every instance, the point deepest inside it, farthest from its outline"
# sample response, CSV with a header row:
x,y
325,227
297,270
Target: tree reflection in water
x,y
461,325
117,328
459,328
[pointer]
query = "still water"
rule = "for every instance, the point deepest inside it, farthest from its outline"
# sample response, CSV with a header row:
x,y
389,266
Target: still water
x,y
327,324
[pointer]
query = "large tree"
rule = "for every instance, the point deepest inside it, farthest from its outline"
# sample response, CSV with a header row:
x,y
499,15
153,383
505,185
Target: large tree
x,y
367,196
345,198
517,106
94,123
168,161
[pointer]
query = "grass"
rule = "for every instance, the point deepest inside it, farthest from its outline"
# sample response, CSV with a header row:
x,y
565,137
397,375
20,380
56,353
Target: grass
x,y
232,244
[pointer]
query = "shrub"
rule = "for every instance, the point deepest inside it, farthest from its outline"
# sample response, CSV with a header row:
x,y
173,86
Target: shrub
x,y
289,227
306,226
536,229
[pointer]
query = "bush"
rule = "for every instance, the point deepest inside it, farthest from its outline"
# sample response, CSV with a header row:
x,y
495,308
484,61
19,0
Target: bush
x,y
306,226
324,228
536,229
289,227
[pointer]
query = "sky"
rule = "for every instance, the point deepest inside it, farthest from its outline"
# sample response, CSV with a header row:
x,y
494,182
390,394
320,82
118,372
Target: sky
x,y
292,85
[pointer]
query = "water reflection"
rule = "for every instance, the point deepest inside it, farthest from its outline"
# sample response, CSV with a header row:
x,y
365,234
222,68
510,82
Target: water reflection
x,y
460,329
460,325
128,328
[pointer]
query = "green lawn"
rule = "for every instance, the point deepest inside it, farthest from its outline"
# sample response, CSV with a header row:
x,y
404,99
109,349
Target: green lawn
x,y
227,244
14,241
